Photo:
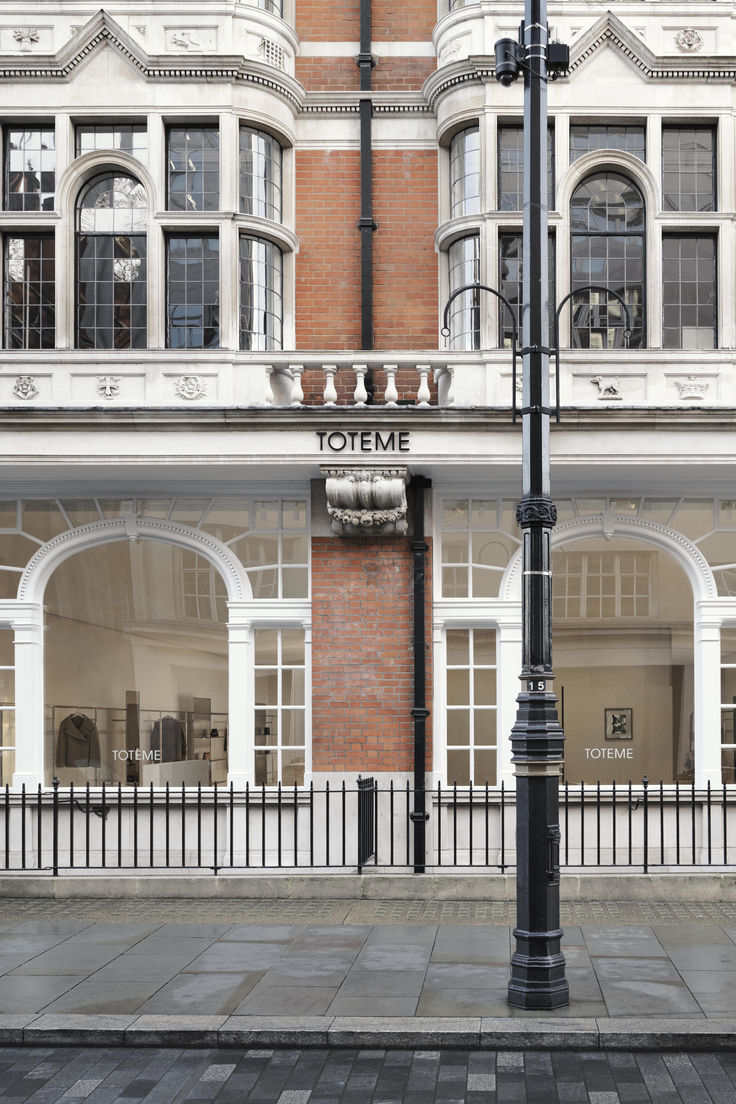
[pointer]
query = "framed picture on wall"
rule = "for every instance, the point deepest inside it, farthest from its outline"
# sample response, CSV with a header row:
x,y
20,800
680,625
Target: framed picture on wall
x,y
618,724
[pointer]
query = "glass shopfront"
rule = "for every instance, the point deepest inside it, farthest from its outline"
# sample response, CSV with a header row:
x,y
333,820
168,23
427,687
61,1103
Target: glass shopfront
x,y
623,657
136,668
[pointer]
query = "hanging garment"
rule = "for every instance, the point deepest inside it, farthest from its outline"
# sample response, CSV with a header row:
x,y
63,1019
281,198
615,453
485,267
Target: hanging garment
x,y
78,743
167,736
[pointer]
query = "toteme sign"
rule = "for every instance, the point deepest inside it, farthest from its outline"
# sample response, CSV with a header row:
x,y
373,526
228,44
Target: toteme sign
x,y
538,966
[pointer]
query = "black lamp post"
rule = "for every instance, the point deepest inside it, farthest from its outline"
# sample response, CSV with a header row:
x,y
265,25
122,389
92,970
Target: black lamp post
x,y
538,966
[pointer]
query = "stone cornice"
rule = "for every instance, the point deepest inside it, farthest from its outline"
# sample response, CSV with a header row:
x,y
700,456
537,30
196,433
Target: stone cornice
x,y
102,31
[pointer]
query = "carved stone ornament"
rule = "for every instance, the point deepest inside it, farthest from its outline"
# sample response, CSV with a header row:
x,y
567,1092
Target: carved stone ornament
x,y
26,36
108,386
185,39
608,388
366,501
25,387
190,387
691,388
532,511
688,40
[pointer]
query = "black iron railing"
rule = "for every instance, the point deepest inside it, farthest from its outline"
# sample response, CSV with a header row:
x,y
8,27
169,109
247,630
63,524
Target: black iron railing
x,y
632,826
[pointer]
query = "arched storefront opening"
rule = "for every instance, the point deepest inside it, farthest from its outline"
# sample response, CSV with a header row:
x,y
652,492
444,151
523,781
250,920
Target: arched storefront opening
x,y
623,657
136,667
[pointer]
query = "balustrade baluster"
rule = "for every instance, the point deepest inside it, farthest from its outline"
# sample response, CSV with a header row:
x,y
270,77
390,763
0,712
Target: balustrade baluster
x,y
391,395
360,394
423,394
297,392
330,392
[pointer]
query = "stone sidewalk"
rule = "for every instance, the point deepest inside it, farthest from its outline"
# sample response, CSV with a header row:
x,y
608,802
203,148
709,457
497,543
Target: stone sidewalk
x,y
243,973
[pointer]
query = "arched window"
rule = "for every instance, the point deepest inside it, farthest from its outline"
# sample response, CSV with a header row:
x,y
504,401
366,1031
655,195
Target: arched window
x,y
607,248
112,215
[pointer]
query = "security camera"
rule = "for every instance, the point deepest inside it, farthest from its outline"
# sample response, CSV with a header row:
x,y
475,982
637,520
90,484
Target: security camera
x,y
507,61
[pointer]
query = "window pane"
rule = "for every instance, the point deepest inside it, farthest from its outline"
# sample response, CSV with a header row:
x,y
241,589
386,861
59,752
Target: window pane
x,y
511,168
193,168
510,284
260,174
261,309
688,168
465,173
689,291
464,318
129,138
30,292
607,251
111,256
193,293
588,137
30,169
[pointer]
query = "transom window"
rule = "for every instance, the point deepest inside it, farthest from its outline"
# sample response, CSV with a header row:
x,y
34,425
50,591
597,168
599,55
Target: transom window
x,y
129,138
511,167
601,584
607,220
112,219
594,136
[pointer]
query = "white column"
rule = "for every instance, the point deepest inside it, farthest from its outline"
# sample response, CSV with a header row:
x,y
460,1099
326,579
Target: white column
x,y
508,668
707,695
240,698
29,697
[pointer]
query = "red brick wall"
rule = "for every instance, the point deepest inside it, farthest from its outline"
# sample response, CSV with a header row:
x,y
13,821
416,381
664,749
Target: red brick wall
x,y
408,21
404,260
317,21
328,261
319,74
404,74
362,655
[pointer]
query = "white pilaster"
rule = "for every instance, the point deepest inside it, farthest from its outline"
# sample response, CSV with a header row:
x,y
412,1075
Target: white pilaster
x,y
27,621
707,694
508,668
241,700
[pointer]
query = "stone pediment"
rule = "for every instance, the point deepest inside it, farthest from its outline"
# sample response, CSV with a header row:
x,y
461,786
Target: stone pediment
x,y
609,32
103,32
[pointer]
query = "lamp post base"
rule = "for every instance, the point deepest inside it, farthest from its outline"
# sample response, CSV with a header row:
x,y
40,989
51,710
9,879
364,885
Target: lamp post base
x,y
538,982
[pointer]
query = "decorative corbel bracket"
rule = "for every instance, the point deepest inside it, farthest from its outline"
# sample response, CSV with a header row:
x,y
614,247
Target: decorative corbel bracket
x,y
365,502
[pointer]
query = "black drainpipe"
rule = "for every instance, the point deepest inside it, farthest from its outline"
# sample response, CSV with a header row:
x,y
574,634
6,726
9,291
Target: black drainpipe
x,y
367,225
419,548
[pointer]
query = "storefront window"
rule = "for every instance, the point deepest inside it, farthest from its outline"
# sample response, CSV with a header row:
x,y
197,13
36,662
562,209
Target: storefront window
x,y
471,706
728,704
479,538
623,657
136,677
280,728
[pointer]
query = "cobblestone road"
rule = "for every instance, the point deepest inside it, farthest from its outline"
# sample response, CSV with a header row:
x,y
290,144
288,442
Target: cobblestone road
x,y
117,1076
359,912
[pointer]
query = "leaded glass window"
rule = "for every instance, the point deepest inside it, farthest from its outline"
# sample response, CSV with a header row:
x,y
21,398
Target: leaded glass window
x,y
688,168
465,173
260,174
619,136
112,219
193,168
30,168
607,219
261,306
689,291
193,291
464,320
30,291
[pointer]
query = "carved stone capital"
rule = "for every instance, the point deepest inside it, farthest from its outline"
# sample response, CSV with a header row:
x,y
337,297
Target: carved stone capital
x,y
366,501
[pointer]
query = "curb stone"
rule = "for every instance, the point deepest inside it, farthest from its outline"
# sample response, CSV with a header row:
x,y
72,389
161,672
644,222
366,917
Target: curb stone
x,y
468,1033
